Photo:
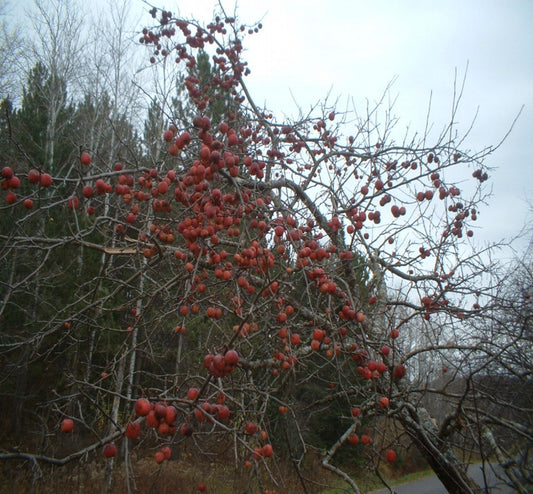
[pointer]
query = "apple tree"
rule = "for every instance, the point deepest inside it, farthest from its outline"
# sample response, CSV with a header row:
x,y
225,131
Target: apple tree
x,y
274,283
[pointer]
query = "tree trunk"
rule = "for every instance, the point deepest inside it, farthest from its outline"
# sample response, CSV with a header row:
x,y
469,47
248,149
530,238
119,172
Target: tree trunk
x,y
448,468
108,477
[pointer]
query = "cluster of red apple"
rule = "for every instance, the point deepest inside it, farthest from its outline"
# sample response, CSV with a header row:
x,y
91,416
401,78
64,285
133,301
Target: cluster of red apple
x,y
264,451
159,416
11,182
208,411
228,63
220,365
365,439
163,454
373,369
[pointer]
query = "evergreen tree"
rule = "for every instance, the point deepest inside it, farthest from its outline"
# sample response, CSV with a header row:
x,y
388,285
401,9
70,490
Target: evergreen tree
x,y
6,117
92,121
153,131
196,90
41,125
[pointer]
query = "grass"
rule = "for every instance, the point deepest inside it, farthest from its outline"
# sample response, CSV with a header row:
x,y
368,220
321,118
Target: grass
x,y
185,474
413,477
182,474
369,484
214,465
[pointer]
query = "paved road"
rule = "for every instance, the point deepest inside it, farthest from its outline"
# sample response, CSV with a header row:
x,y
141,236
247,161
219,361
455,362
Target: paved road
x,y
432,485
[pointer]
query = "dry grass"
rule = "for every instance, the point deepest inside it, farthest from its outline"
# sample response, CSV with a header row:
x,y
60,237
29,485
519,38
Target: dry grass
x,y
181,474
208,459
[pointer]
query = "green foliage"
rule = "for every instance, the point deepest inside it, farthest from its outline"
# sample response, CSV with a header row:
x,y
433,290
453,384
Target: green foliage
x,y
43,121
218,105
153,132
6,117
105,131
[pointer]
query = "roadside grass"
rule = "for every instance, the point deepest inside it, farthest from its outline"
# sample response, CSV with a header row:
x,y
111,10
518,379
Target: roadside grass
x,y
413,477
372,483
182,474
215,467
185,474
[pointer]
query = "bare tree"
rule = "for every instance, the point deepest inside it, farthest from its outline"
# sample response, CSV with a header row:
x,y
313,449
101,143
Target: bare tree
x,y
11,51
265,273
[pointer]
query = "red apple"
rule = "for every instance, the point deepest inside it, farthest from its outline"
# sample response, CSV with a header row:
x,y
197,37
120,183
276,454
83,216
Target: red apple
x,y
85,158
34,176
160,410
14,182
87,191
11,198
110,450
266,450
133,430
167,452
168,135
390,455
46,180
384,402
251,428
231,358
67,425
186,430
142,407
366,439
223,413
353,439
7,172
399,371
193,393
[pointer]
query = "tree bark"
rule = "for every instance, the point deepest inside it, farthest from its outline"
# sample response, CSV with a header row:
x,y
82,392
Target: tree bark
x,y
443,461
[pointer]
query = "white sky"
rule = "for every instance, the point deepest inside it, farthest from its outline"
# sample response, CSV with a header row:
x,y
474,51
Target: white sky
x,y
354,48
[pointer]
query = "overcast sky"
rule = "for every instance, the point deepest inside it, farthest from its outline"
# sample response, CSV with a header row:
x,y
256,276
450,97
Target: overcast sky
x,y
355,48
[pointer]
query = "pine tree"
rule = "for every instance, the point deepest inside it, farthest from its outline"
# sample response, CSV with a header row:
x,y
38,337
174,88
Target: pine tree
x,y
41,124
